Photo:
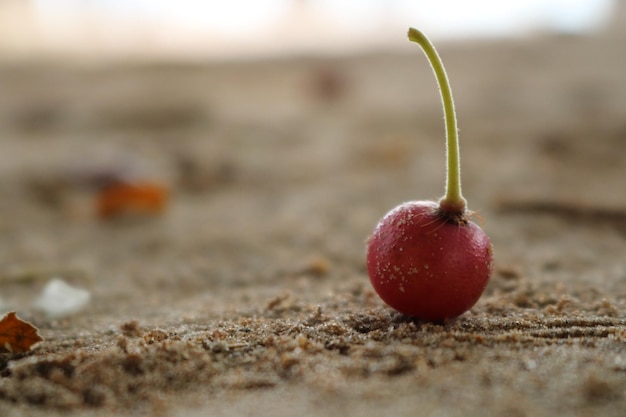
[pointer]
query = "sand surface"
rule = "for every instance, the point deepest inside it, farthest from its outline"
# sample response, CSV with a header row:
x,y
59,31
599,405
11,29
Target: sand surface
x,y
248,295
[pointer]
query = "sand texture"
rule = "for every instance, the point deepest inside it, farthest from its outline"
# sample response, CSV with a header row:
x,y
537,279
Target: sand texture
x,y
248,294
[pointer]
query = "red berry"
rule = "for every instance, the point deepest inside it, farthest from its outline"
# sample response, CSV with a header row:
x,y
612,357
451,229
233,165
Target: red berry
x,y
428,264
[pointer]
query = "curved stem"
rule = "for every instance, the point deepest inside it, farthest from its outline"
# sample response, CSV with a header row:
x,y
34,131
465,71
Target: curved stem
x,y
453,201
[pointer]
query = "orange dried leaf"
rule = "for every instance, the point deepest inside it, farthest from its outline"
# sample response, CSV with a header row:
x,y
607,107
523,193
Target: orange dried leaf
x,y
121,198
16,335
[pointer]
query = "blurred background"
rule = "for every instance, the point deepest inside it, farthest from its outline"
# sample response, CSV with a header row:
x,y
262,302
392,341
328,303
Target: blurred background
x,y
142,29
212,144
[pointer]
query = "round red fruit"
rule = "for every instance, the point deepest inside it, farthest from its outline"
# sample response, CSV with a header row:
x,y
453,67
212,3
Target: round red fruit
x,y
428,264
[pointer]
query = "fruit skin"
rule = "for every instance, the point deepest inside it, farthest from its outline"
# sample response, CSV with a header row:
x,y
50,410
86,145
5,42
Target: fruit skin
x,y
428,264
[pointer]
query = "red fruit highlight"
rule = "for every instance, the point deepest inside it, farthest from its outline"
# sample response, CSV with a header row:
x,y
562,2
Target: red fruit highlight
x,y
428,264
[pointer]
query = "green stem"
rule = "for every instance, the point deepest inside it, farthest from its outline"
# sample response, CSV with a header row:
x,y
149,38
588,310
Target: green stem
x,y
453,201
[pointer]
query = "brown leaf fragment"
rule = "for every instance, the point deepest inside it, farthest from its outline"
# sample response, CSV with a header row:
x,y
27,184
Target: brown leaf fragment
x,y
121,198
16,335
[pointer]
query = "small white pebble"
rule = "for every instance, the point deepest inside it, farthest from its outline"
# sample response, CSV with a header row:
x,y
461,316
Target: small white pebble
x,y
59,299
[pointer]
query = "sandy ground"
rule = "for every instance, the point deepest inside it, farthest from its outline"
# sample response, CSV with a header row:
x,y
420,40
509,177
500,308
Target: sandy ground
x,y
249,295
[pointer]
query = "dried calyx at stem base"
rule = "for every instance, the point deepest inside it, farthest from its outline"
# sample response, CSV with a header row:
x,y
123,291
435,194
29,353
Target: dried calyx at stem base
x,y
428,259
